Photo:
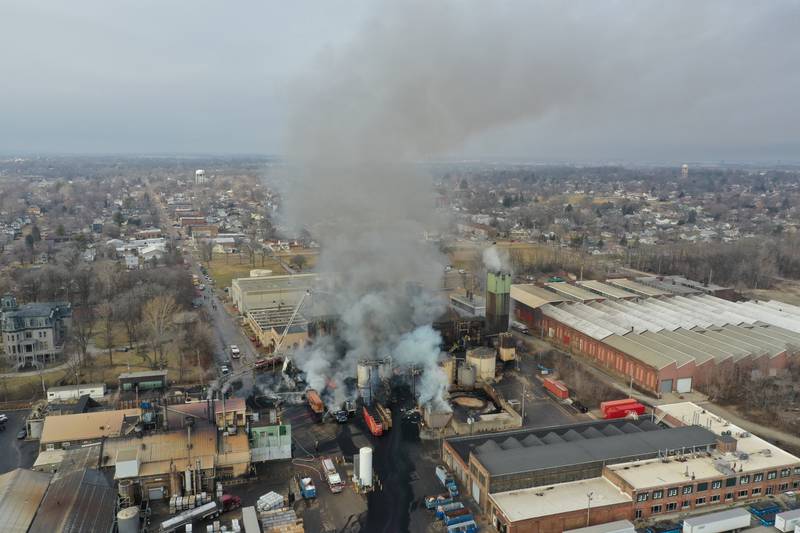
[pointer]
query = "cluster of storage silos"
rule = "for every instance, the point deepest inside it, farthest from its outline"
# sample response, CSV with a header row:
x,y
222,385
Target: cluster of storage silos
x,y
448,365
369,378
484,360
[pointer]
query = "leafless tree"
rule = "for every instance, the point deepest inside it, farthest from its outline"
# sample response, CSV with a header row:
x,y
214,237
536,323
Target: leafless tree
x,y
158,314
206,248
105,312
84,281
81,330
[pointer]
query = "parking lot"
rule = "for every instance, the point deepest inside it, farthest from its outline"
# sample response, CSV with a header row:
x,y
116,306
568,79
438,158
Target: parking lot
x,y
16,453
541,408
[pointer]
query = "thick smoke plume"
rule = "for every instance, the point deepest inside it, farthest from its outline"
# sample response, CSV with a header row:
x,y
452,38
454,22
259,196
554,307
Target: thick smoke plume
x,y
419,81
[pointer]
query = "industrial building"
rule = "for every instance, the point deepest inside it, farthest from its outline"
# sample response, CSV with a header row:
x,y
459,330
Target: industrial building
x,y
270,292
498,302
72,499
159,465
661,341
681,459
65,431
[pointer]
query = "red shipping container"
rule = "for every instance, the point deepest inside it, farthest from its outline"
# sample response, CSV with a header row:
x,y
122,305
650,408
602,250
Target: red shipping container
x,y
375,427
557,388
604,406
623,411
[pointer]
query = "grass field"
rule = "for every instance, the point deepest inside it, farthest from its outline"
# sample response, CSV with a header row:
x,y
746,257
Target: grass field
x,y
785,291
225,267
28,387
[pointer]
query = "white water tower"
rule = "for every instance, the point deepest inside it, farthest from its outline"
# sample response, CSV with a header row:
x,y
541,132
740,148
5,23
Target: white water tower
x,y
365,466
199,176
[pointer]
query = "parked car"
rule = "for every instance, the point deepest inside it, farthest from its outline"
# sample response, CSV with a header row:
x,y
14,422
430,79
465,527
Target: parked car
x,y
22,433
225,370
580,407
235,352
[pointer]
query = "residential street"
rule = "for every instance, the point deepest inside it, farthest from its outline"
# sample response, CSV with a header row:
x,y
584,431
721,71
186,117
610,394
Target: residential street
x,y
16,453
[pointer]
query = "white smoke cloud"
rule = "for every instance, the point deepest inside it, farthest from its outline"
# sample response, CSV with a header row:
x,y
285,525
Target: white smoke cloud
x,y
421,80
494,260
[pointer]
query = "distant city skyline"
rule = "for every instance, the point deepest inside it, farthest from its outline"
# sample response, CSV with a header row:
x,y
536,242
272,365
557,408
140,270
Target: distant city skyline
x,y
709,83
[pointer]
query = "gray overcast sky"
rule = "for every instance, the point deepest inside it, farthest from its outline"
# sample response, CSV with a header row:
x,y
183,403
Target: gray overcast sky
x,y
719,81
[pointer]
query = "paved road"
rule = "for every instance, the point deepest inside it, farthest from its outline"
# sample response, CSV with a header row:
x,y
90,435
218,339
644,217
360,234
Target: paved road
x,y
226,329
16,453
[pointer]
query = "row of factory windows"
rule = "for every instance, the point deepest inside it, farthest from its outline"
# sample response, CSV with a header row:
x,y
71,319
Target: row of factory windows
x,y
717,484
541,478
715,498
611,357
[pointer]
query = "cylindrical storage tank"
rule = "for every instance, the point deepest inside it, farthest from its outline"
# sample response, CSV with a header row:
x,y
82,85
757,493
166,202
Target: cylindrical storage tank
x,y
260,272
128,520
365,466
448,366
484,360
362,375
187,482
466,376
125,488
365,395
385,370
36,427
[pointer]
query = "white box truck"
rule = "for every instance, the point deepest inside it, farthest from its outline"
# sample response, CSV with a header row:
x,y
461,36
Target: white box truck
x,y
787,520
730,520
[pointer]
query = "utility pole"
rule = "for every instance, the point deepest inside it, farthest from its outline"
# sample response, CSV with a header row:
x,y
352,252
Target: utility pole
x,y
588,506
199,368
522,403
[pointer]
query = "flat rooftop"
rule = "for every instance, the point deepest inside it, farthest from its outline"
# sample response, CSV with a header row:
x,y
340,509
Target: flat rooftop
x,y
754,454
87,426
539,502
288,282
161,452
691,413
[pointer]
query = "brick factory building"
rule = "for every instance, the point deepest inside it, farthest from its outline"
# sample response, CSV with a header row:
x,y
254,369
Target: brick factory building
x,y
662,341
682,459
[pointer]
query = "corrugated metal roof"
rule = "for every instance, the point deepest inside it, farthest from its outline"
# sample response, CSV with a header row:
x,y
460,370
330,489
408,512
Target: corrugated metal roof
x,y
782,306
574,291
663,345
534,296
21,492
668,286
636,287
700,354
770,315
81,501
645,355
607,290
578,324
